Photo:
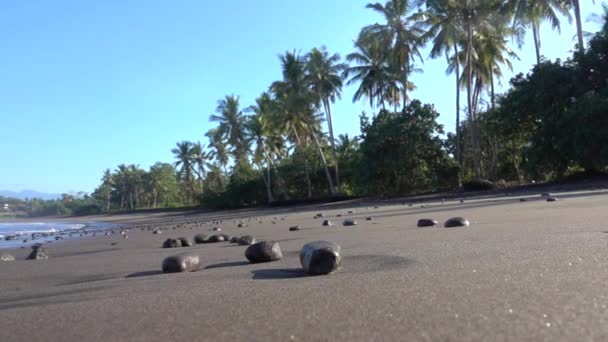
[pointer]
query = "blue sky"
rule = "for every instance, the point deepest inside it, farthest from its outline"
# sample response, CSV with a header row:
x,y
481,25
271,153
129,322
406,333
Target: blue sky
x,y
87,85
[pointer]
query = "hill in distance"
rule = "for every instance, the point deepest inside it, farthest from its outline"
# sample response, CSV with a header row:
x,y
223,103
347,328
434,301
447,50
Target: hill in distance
x,y
29,194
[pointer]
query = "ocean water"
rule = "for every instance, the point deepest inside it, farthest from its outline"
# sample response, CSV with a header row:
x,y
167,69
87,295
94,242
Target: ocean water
x,y
13,234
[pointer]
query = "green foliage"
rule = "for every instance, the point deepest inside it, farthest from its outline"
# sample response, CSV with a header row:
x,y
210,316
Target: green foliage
x,y
402,153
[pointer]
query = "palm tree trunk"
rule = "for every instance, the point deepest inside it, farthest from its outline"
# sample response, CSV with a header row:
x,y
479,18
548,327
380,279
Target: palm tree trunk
x,y
306,166
536,34
458,134
108,200
476,168
327,174
155,199
269,185
280,179
492,93
579,24
333,142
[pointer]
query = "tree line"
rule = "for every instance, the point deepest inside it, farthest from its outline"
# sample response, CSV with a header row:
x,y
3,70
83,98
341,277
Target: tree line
x,y
549,124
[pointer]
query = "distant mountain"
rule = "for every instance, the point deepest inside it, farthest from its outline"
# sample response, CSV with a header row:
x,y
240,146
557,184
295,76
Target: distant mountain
x,y
29,194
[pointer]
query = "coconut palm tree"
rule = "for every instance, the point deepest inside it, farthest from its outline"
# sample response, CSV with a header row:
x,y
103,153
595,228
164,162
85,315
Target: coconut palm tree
x,y
325,77
576,6
401,34
532,13
445,29
199,160
183,153
231,124
262,128
296,103
373,73
477,15
219,150
107,183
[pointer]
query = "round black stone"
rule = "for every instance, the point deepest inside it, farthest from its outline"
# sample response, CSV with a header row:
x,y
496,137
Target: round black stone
x,y
327,223
427,223
216,238
172,243
456,222
349,222
320,257
246,240
201,238
186,242
295,228
181,263
264,251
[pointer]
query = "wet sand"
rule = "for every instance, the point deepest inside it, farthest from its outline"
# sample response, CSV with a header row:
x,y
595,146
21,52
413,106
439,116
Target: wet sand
x,y
523,271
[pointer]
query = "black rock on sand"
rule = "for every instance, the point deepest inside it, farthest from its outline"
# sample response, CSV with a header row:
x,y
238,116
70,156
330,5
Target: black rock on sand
x,y
320,257
181,263
264,251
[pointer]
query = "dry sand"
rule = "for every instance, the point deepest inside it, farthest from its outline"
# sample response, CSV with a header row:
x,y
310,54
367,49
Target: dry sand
x,y
523,271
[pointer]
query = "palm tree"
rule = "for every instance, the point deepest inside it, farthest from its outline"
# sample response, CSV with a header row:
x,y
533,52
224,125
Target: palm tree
x,y
219,150
231,120
107,182
579,23
373,74
446,30
262,128
296,103
199,160
531,13
400,34
477,15
325,77
183,153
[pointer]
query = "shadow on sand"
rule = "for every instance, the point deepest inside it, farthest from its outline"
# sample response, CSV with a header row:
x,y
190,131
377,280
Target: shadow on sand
x,y
285,273
144,274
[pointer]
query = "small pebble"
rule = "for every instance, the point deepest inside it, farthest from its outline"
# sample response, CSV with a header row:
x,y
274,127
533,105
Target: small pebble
x,y
551,199
295,228
327,223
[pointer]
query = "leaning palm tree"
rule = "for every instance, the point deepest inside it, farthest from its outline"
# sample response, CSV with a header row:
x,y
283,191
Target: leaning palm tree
x,y
231,120
532,13
400,34
325,77
371,70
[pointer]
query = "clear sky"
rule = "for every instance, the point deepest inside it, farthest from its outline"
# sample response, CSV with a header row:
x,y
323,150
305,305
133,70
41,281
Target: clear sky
x,y
87,85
